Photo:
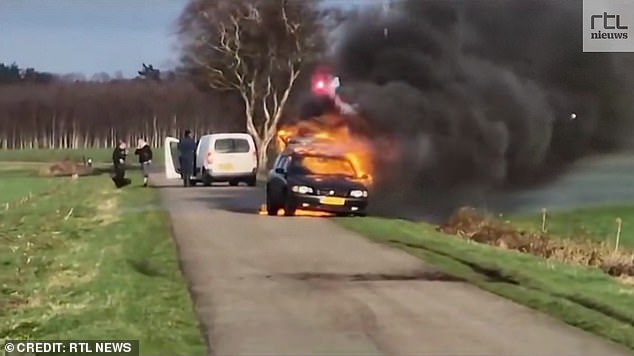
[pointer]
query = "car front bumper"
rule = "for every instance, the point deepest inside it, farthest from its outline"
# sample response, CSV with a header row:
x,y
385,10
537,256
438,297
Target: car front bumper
x,y
314,202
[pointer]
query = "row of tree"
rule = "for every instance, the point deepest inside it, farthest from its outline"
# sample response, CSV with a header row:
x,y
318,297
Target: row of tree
x,y
90,114
13,74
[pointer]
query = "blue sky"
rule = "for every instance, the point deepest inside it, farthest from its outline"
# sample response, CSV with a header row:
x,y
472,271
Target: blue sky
x,y
91,36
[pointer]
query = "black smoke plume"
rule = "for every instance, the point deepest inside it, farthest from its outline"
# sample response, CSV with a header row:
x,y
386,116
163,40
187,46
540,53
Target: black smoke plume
x,y
479,95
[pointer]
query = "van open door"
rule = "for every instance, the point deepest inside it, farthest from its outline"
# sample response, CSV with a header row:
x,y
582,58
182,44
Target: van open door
x,y
172,164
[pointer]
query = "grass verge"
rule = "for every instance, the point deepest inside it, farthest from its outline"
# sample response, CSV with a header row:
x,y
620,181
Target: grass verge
x,y
598,223
583,297
16,185
86,261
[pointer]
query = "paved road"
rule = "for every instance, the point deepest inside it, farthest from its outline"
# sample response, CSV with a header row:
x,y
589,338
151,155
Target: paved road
x,y
304,286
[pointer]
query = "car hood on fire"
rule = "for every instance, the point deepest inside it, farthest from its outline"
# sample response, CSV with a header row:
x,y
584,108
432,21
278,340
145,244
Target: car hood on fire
x,y
332,182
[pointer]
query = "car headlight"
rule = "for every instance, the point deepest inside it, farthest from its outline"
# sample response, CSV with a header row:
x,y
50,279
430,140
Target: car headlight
x,y
302,189
359,193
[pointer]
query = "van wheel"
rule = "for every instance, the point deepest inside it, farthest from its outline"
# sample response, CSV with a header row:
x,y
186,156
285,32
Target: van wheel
x,y
233,182
252,181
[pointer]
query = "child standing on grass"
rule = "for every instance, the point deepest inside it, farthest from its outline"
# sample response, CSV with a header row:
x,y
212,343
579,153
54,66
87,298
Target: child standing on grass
x,y
144,152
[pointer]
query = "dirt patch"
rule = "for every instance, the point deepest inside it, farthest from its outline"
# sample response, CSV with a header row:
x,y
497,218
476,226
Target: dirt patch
x,y
66,168
64,308
107,206
34,302
107,210
69,278
470,224
628,280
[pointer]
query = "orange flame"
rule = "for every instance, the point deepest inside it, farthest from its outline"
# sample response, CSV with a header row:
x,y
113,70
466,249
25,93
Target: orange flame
x,y
331,135
298,212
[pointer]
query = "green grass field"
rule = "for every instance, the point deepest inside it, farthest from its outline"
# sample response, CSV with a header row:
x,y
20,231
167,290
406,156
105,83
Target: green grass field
x,y
82,260
52,155
15,185
583,297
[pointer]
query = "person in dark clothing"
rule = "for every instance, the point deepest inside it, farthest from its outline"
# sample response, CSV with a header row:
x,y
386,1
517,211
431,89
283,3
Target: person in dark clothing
x,y
187,155
119,156
144,152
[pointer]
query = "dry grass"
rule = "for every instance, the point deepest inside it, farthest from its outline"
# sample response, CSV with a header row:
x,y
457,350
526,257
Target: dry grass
x,y
107,208
627,280
65,168
64,279
475,226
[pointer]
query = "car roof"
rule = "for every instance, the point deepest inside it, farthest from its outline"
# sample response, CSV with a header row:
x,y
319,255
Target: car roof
x,y
315,147
309,153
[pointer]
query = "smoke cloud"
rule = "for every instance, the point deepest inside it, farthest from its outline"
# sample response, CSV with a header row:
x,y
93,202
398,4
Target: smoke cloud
x,y
478,96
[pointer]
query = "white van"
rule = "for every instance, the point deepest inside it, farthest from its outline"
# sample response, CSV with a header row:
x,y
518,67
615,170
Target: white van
x,y
224,157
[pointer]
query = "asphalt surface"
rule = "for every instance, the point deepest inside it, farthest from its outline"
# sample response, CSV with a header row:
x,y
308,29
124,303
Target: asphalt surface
x,y
304,286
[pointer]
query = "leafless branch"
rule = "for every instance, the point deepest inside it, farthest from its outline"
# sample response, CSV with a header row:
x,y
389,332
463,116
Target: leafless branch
x,y
256,48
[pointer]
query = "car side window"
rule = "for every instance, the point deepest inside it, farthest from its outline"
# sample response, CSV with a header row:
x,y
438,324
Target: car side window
x,y
287,162
281,162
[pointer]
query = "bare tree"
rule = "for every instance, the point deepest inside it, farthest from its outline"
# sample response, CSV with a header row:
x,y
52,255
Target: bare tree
x,y
256,48
149,72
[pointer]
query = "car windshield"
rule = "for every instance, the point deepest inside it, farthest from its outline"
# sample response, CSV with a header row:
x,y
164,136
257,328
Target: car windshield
x,y
321,165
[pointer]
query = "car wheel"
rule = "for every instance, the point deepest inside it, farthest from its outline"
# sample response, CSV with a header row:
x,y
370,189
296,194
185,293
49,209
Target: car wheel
x,y
253,180
233,182
271,207
289,206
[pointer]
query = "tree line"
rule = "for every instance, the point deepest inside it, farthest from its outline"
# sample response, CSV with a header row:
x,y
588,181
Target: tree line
x,y
76,114
70,111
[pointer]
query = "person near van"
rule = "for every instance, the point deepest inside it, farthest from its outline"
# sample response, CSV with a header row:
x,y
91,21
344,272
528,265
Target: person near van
x,y
144,152
119,156
187,155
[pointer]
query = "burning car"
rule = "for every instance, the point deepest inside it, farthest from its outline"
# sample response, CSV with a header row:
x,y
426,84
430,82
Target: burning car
x,y
311,180
324,166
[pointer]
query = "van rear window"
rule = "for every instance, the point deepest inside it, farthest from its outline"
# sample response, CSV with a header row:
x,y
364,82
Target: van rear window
x,y
232,145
